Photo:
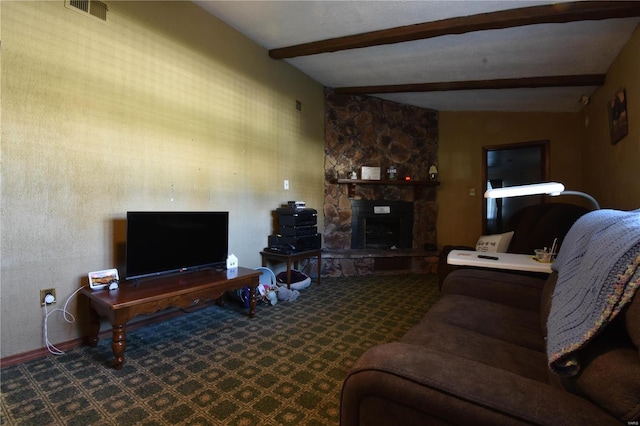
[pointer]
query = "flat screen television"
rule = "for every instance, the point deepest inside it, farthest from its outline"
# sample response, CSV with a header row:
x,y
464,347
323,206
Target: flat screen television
x,y
168,242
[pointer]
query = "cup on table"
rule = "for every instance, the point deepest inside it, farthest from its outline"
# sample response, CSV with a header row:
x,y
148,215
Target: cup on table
x,y
543,255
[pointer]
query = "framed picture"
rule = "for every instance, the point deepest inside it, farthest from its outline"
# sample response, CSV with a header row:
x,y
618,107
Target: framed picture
x,y
618,121
101,279
370,173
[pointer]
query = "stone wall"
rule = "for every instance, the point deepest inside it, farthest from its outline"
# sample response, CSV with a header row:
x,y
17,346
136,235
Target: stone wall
x,y
366,131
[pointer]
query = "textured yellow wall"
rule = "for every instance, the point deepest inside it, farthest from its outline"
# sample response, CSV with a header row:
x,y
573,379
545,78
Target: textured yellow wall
x,y
611,172
462,136
164,107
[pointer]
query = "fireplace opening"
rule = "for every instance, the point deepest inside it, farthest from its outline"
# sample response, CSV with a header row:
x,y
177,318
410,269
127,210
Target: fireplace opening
x,y
381,224
381,233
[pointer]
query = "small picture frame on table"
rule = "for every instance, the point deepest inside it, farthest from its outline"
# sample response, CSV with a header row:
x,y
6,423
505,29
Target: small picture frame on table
x,y
107,278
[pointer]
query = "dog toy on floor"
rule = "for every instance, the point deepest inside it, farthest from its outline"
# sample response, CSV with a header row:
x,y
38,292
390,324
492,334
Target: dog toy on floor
x,y
285,294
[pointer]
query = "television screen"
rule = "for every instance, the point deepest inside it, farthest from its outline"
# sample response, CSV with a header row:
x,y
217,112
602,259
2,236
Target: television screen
x,y
165,242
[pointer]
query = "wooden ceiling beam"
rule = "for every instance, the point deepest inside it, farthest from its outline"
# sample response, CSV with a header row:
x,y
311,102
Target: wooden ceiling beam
x,y
507,83
545,14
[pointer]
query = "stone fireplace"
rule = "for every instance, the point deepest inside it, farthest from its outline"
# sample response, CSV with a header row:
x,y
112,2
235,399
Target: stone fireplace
x,y
366,131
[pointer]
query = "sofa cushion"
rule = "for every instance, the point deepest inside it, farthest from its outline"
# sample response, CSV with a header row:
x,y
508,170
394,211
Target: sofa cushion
x,y
536,226
504,287
610,374
470,344
610,367
517,326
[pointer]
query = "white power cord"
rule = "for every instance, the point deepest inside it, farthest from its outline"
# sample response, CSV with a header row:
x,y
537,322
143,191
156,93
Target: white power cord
x,y
66,315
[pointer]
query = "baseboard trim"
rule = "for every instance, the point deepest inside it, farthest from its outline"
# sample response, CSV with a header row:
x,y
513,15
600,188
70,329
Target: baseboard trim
x,y
105,334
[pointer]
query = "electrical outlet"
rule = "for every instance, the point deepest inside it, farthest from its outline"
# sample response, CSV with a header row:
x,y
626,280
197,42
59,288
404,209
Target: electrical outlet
x,y
46,292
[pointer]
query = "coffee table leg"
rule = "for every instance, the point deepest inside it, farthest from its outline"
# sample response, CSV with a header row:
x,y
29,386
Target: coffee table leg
x,y
253,300
118,345
94,327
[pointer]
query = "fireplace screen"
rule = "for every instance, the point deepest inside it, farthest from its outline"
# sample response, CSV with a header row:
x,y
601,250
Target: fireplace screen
x,y
381,233
381,224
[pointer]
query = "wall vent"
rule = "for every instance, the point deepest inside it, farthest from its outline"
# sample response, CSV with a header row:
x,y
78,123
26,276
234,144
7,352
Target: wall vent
x,y
93,8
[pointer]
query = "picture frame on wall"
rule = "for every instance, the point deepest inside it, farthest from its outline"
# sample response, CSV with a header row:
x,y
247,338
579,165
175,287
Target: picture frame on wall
x,y
618,120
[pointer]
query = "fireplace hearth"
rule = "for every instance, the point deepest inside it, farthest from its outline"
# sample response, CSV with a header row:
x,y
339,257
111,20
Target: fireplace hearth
x,y
381,224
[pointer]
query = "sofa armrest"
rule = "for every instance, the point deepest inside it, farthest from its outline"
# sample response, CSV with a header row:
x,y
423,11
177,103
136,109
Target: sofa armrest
x,y
519,291
444,269
405,384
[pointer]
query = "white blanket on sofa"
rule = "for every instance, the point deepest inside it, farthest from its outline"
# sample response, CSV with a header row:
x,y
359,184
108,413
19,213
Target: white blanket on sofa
x,y
598,275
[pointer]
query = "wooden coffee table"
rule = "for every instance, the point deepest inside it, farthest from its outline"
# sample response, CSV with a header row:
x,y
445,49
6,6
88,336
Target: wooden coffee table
x,y
185,290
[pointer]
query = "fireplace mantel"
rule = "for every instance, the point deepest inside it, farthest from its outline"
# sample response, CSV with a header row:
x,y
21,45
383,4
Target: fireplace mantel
x,y
353,182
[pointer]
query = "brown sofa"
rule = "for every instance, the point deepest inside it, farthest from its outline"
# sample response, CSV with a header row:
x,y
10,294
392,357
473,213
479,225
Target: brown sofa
x,y
479,357
533,227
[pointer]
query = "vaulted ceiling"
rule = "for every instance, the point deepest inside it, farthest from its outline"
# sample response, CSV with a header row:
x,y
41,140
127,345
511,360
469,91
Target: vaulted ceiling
x,y
444,55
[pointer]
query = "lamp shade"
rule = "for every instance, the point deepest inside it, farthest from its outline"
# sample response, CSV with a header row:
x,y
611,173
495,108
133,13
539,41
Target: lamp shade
x,y
552,188
549,188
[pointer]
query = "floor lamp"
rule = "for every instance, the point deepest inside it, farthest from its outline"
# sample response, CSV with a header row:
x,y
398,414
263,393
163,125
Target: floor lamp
x,y
548,188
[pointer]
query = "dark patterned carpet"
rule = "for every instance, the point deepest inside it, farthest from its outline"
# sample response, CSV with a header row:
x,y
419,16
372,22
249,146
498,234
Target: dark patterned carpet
x,y
218,367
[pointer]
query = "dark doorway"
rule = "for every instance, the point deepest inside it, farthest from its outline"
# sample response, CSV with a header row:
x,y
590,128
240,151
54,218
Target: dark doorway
x,y
511,165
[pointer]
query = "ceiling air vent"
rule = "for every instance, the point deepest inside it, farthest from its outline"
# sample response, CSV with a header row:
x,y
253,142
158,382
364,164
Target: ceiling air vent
x,y
93,8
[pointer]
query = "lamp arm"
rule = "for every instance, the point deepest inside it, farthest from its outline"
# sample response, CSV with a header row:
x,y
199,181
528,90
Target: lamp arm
x,y
550,188
582,194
